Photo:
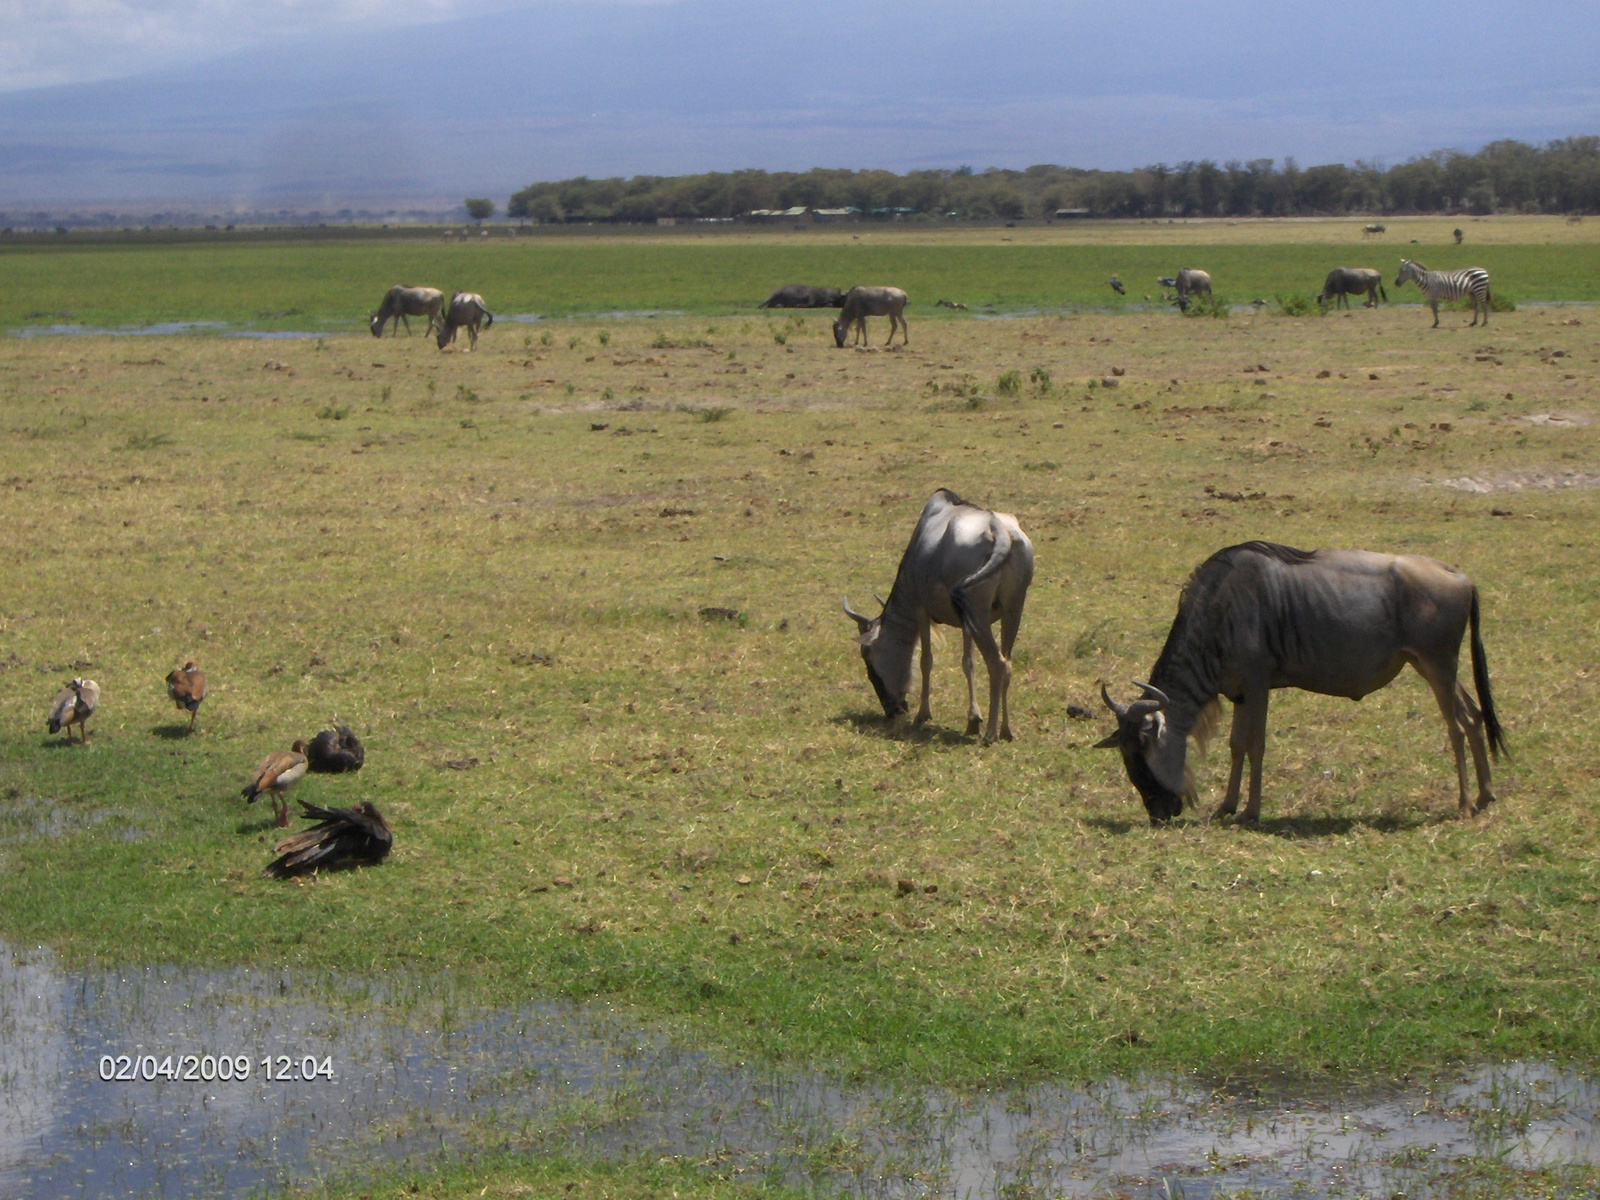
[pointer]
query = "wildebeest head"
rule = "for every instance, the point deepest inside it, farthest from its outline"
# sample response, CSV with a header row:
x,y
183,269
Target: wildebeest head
x,y
890,677
1141,730
841,330
375,323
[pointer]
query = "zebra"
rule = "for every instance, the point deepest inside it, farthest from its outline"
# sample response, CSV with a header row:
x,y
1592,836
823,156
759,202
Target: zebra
x,y
1448,285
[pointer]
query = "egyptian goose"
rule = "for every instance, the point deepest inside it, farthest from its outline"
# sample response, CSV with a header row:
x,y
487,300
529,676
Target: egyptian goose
x,y
278,772
342,837
187,687
74,705
334,751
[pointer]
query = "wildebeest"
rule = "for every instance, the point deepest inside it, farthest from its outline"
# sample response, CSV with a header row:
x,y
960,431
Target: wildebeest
x,y
1458,236
1188,283
964,566
1372,230
1259,616
1344,282
802,295
468,311
863,302
403,301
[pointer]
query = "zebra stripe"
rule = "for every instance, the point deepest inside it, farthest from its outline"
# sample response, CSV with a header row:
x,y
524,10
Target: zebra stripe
x,y
1448,285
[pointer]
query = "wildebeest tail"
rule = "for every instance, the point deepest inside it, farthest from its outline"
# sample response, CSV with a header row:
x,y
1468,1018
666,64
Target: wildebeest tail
x,y
1383,293
971,621
488,318
1480,680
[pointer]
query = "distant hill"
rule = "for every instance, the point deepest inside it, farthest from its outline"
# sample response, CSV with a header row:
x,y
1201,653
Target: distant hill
x,y
483,106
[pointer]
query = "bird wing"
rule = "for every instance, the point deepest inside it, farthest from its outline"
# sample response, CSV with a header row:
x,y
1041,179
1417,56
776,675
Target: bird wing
x,y
280,769
65,699
88,697
187,688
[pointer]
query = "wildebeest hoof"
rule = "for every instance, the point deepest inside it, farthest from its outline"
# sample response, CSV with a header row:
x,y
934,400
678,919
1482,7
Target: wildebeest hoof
x,y
973,725
1482,804
923,718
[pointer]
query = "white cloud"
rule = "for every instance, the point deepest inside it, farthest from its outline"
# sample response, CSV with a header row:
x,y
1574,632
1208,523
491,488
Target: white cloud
x,y
79,41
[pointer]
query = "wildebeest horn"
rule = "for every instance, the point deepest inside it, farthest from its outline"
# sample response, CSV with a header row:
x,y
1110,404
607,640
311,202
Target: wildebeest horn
x,y
1153,693
864,622
882,603
1120,710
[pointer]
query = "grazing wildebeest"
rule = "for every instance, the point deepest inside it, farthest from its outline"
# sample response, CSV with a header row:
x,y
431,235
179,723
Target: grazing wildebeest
x,y
1344,282
801,295
863,302
1191,283
1260,616
1448,285
964,566
1371,230
1458,235
402,302
466,310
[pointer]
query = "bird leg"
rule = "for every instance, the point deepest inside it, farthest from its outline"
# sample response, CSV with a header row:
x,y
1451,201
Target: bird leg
x,y
192,716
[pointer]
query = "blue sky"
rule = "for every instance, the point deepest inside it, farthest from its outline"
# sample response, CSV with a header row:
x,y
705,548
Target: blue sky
x,y
346,101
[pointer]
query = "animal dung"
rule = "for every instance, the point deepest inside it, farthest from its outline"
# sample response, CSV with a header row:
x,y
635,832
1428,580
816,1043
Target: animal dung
x,y
1119,371
718,613
460,764
906,886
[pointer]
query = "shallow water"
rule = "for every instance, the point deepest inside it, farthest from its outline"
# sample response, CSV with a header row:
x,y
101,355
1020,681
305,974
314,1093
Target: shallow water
x,y
413,1076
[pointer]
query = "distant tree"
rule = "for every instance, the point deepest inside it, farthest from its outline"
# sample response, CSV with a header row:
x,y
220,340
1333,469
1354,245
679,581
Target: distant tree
x,y
479,210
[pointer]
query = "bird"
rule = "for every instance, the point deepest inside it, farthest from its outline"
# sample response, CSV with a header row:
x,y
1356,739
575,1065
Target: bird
x,y
1116,286
74,705
334,751
187,687
342,837
278,772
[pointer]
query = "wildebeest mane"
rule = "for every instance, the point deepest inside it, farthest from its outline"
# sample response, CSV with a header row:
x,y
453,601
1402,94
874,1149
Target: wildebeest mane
x,y
1191,660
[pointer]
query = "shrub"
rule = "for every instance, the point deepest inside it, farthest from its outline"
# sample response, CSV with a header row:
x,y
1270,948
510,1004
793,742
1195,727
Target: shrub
x,y
330,412
1009,383
1298,306
708,415
1040,378
1207,305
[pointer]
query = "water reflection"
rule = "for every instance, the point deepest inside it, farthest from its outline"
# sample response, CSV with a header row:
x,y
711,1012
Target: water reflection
x,y
415,1077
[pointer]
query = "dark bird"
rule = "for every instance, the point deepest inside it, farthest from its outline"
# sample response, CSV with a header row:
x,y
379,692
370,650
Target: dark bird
x,y
1116,286
74,705
187,687
334,751
342,837
278,772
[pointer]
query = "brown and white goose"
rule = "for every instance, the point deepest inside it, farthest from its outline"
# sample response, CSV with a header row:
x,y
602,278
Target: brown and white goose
x,y
278,772
187,687
74,705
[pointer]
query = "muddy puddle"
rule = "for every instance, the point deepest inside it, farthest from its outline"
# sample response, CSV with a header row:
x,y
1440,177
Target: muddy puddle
x,y
414,1077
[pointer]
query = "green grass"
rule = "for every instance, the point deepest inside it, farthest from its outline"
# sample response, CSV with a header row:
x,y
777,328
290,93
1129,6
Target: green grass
x,y
706,819
333,285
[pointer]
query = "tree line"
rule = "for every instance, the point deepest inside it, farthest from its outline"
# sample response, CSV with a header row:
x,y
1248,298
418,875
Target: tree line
x,y
1562,176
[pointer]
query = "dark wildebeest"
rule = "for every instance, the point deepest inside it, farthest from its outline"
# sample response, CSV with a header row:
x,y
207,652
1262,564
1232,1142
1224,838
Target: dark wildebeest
x,y
1344,282
1373,230
964,566
1188,283
402,302
1459,235
863,302
468,311
1260,616
801,295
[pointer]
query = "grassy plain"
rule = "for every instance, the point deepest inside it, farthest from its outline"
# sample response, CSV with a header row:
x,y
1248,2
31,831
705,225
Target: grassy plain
x,y
262,282
494,565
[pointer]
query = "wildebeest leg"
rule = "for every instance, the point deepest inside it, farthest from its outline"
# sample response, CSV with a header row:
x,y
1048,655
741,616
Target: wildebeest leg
x,y
1010,622
1256,748
1238,742
974,719
402,317
1443,682
924,713
1472,722
999,680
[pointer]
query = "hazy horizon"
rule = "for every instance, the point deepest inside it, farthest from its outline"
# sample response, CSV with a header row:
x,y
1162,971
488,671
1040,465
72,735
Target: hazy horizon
x,y
353,103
